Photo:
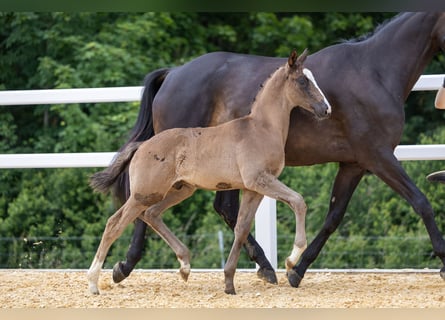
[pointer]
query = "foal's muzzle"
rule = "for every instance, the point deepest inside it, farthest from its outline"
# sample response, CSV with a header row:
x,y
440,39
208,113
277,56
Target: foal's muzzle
x,y
322,110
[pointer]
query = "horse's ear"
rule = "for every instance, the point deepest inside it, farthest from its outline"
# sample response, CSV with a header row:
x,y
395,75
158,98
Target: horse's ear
x,y
292,59
302,57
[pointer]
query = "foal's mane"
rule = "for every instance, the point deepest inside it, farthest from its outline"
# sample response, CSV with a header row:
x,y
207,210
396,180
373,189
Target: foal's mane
x,y
263,84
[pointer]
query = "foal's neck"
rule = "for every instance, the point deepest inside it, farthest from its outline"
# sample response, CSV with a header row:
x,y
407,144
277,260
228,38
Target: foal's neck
x,y
271,106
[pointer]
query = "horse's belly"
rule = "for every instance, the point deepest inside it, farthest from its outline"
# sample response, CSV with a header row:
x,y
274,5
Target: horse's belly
x,y
303,155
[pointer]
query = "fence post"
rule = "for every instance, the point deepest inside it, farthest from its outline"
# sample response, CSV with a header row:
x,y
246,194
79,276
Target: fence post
x,y
221,247
266,229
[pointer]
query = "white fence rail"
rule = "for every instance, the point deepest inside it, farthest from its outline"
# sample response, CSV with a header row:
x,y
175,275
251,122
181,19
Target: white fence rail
x,y
66,96
265,222
103,159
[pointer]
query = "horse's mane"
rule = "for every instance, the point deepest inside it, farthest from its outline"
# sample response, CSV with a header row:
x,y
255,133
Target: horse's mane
x,y
373,32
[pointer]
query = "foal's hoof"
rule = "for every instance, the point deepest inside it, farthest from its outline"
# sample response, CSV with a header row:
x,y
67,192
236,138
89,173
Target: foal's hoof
x,y
267,275
118,274
442,273
184,272
93,289
294,278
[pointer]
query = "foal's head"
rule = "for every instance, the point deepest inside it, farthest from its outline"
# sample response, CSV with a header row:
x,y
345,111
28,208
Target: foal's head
x,y
302,89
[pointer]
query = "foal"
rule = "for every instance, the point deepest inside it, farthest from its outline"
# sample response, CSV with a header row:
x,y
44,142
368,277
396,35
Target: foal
x,y
246,153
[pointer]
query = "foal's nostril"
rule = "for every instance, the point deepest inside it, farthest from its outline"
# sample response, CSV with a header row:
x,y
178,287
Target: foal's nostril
x,y
328,110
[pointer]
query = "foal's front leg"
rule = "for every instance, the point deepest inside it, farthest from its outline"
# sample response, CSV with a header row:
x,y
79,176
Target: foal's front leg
x,y
249,204
226,205
270,186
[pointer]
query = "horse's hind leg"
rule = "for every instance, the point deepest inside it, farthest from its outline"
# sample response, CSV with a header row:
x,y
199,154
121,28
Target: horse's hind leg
x,y
153,217
122,269
249,204
113,229
226,205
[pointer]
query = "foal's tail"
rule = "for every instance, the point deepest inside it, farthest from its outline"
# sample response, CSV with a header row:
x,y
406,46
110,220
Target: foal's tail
x,y
103,180
143,128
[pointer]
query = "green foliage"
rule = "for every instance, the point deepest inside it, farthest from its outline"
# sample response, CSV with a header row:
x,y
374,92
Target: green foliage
x,y
50,218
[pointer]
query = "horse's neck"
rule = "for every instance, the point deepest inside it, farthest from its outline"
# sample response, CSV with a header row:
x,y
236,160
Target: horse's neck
x,y
272,109
402,49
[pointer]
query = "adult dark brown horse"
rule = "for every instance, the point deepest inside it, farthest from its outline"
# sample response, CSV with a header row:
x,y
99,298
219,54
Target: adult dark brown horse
x,y
365,81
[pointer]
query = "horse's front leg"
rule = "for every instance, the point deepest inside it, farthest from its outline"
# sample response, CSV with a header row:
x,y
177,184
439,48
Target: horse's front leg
x,y
393,174
249,204
227,205
346,181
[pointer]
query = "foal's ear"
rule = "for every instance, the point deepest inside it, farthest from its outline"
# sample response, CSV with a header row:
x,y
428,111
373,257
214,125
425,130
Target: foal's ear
x,y
292,59
296,61
302,57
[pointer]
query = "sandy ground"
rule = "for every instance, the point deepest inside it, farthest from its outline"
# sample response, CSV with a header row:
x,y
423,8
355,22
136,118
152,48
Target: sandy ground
x,y
164,289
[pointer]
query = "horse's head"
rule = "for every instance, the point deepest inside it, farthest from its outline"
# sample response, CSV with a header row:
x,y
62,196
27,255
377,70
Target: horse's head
x,y
303,89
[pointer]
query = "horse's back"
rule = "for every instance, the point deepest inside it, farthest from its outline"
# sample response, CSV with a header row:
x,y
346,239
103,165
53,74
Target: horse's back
x,y
211,89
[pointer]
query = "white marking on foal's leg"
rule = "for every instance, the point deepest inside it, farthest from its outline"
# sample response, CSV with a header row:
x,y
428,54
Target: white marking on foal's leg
x,y
297,251
310,76
184,270
93,275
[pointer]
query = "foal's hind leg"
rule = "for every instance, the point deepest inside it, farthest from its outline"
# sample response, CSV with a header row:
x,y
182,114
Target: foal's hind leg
x,y
113,229
153,217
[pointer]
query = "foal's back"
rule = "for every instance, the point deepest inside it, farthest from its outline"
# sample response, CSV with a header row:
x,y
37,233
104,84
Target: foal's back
x,y
210,158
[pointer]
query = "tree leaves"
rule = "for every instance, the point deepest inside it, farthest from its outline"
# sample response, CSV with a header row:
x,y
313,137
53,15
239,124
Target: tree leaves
x,y
51,218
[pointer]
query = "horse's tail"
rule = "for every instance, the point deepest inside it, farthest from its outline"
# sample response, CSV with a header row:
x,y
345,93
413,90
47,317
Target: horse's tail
x,y
103,180
143,128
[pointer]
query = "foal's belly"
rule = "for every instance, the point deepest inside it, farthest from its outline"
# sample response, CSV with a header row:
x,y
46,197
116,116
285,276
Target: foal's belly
x,y
216,178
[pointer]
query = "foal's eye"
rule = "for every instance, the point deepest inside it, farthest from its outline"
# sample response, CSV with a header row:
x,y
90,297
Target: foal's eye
x,y
302,81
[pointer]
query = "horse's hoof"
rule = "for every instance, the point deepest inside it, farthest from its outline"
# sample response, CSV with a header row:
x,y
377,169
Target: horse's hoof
x,y
442,273
267,275
118,274
230,291
294,278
